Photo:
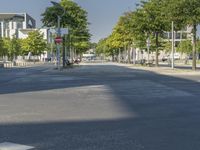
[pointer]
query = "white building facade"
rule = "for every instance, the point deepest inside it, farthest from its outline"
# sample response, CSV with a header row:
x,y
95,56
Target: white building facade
x,y
11,23
19,25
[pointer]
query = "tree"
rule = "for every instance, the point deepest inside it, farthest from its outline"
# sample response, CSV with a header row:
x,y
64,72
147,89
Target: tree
x,y
34,43
13,47
185,47
104,47
167,46
75,19
101,45
192,17
3,49
189,13
150,19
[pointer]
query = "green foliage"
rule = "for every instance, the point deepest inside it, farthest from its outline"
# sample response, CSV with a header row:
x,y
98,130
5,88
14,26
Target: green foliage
x,y
185,47
75,19
11,47
93,45
3,49
151,19
134,27
167,46
34,43
101,47
188,13
198,46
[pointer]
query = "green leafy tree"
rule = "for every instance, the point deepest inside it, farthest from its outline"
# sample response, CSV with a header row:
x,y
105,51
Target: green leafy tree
x,y
75,19
104,47
101,46
93,45
3,49
122,37
188,12
13,47
185,47
198,46
150,20
192,17
167,46
34,43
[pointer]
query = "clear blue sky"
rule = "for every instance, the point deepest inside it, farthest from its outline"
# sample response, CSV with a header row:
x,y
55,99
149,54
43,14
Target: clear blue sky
x,y
102,14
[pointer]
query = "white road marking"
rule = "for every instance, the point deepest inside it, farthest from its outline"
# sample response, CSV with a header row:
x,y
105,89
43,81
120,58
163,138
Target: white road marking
x,y
14,146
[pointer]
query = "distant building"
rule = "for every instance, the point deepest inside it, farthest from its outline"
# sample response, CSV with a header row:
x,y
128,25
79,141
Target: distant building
x,y
19,25
179,36
23,33
12,23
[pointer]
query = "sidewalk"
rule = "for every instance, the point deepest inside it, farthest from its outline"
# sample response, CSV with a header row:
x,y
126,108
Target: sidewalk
x,y
162,69
165,69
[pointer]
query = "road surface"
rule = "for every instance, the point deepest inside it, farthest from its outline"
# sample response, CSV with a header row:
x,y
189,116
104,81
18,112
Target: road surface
x,y
99,107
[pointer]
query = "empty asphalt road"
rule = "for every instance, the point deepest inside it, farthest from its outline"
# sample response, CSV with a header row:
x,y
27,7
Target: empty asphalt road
x,y
99,107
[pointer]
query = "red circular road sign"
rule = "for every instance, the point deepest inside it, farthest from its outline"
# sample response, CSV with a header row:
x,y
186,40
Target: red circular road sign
x,y
58,40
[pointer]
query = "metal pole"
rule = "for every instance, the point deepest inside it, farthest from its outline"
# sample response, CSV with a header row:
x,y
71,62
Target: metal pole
x,y
64,58
58,45
51,46
65,49
172,45
119,57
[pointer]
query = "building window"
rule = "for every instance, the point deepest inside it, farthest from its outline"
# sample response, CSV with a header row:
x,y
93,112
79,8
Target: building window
x,y
19,25
178,35
7,25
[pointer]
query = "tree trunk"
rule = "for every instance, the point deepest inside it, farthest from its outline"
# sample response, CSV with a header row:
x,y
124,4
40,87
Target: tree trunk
x,y
194,47
157,44
64,59
119,56
113,57
129,57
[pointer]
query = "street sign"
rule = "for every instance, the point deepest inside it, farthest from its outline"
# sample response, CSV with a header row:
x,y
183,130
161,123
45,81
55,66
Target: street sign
x,y
52,30
64,31
58,40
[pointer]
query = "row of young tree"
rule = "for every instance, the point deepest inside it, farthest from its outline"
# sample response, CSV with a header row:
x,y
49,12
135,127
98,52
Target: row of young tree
x,y
75,19
13,47
152,19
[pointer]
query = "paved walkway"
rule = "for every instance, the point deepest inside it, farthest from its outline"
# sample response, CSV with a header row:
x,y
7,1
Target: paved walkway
x,y
164,69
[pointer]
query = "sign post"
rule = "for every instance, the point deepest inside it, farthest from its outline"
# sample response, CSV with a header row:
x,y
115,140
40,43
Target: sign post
x,y
58,40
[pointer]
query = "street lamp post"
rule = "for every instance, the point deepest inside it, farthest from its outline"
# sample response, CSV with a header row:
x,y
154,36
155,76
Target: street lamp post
x,y
58,33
